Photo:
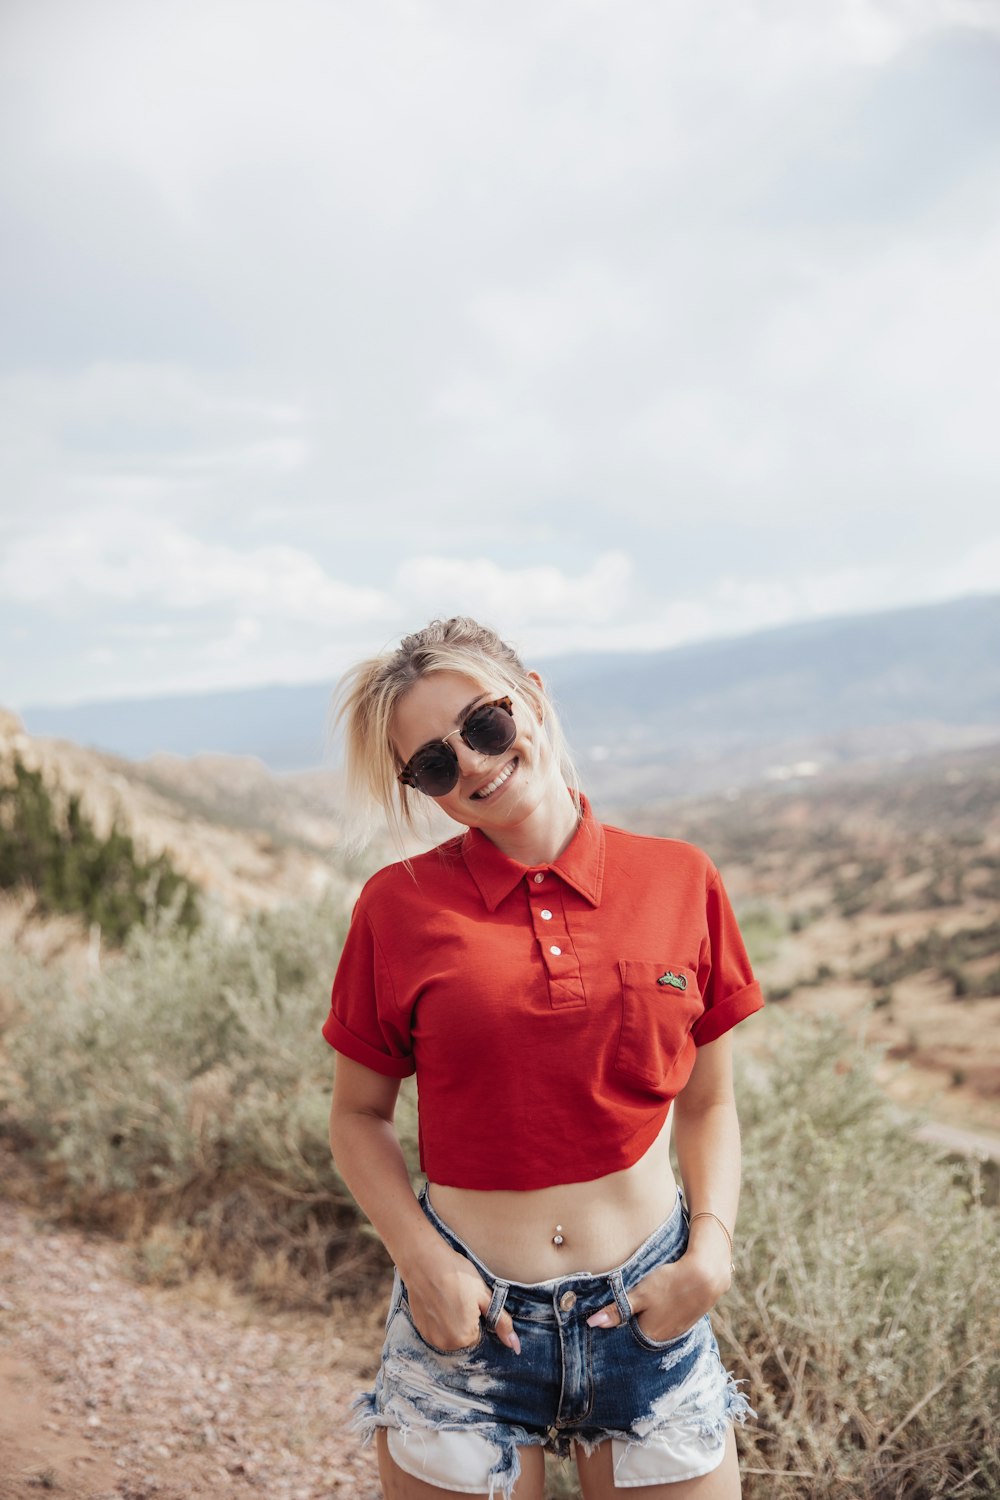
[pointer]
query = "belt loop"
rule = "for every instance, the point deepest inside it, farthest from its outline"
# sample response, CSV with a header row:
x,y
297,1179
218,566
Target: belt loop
x,y
492,1315
621,1299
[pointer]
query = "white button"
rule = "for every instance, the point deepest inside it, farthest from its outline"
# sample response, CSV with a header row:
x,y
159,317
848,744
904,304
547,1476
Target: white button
x,y
546,916
539,879
555,951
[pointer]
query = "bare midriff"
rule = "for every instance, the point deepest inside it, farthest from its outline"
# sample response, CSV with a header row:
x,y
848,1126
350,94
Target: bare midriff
x,y
601,1222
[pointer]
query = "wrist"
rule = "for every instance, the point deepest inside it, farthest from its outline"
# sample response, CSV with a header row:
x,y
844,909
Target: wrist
x,y
426,1259
708,1252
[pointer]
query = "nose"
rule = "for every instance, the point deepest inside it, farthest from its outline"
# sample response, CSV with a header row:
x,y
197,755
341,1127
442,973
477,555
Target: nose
x,y
470,762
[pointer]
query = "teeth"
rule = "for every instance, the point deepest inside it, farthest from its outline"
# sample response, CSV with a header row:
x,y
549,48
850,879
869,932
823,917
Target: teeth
x,y
487,791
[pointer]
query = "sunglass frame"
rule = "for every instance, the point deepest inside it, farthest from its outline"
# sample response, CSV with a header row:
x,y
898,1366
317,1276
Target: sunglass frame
x,y
409,778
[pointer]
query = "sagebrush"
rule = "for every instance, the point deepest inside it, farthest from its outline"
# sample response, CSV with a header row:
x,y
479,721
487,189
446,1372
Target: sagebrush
x,y
182,1097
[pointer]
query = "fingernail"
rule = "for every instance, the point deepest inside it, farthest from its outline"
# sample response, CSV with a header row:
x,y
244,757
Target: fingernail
x,y
599,1320
513,1342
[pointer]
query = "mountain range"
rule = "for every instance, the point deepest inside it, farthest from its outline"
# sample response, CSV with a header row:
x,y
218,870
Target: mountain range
x,y
778,704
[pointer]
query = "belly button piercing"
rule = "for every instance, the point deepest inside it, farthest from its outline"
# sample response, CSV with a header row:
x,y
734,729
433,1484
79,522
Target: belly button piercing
x,y
557,1238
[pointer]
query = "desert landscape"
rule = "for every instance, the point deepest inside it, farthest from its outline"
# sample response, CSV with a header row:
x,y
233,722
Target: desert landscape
x,y
870,894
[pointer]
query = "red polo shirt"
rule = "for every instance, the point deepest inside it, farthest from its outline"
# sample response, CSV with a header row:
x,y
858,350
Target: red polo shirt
x,y
550,1012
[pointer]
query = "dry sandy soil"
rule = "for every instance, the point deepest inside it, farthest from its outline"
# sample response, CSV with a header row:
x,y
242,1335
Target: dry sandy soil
x,y
114,1391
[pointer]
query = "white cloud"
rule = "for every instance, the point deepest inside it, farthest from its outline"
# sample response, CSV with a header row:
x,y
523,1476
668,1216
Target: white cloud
x,y
447,585
976,571
118,557
642,321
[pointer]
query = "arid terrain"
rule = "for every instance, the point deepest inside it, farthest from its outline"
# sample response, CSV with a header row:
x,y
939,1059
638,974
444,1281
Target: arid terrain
x,y
112,1390
872,892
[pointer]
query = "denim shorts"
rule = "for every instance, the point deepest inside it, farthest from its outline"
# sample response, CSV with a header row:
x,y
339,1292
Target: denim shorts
x,y
456,1418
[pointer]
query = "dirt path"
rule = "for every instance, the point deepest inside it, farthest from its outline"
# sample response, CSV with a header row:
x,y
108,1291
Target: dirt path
x,y
114,1391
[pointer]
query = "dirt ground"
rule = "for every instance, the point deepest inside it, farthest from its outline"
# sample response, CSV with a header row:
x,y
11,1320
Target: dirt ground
x,y
110,1390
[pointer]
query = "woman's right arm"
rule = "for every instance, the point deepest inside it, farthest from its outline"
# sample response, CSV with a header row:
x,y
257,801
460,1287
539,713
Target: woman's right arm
x,y
446,1293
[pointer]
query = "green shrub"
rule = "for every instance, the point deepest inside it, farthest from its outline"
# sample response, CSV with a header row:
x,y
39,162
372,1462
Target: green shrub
x,y
865,1310
71,869
189,1081
187,1089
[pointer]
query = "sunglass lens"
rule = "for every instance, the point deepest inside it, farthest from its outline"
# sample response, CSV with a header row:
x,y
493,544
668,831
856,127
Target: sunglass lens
x,y
435,770
490,730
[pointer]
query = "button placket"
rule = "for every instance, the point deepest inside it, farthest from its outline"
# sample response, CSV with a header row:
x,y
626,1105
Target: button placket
x,y
548,920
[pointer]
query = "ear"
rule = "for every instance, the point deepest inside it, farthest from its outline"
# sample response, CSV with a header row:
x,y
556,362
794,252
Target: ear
x,y
539,714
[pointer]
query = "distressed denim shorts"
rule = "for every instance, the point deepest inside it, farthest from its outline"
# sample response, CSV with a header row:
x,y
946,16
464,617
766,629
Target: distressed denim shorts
x,y
456,1418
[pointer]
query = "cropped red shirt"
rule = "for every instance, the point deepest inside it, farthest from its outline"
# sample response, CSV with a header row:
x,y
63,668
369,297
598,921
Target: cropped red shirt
x,y
551,1012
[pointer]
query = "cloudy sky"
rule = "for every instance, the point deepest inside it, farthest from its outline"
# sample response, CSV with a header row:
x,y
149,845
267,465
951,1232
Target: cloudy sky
x,y
617,323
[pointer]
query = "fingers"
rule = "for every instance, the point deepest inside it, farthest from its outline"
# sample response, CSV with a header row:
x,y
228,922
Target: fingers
x,y
605,1317
506,1334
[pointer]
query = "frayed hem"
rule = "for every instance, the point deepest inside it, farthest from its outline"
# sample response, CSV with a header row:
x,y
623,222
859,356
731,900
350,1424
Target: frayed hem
x,y
738,1407
364,1417
503,1474
712,1431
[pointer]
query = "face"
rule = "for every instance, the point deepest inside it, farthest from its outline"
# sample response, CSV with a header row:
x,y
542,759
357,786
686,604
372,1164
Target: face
x,y
492,790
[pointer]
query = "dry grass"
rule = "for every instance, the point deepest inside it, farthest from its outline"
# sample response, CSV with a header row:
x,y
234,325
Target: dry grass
x,y
188,1111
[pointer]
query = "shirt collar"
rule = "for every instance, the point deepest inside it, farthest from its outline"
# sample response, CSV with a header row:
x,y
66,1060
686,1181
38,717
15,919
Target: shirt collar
x,y
580,865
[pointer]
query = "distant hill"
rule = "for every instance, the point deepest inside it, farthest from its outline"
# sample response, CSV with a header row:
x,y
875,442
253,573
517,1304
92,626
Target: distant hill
x,y
781,703
246,838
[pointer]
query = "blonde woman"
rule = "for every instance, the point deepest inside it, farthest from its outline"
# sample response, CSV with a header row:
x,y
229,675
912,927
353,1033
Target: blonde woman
x,y
565,993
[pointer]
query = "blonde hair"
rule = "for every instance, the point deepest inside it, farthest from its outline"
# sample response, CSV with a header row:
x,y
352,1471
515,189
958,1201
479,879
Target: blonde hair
x,y
366,697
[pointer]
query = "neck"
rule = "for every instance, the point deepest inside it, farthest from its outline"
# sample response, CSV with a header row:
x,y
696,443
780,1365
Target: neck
x,y
543,835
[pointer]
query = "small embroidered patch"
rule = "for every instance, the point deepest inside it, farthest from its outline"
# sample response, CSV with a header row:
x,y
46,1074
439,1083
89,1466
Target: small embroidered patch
x,y
678,981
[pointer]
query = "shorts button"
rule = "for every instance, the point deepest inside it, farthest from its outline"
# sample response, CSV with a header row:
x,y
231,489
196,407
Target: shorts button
x,y
567,1301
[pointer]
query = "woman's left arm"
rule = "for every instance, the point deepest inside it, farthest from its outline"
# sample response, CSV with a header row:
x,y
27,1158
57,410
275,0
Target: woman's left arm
x,y
673,1297
707,1141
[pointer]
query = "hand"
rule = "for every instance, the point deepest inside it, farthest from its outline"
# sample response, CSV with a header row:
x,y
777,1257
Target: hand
x,y
670,1300
448,1300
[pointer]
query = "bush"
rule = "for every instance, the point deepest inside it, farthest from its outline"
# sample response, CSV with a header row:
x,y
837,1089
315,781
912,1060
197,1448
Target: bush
x,y
866,1304
183,1098
188,1083
71,869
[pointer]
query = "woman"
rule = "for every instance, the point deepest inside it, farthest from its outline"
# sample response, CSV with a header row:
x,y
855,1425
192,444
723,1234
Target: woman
x,y
555,984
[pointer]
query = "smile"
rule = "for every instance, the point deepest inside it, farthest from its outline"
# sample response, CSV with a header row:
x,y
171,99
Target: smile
x,y
496,783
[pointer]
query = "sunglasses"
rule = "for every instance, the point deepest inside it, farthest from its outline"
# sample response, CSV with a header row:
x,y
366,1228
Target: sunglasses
x,y
488,729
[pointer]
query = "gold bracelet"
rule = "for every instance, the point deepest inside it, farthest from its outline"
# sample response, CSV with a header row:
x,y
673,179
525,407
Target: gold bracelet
x,y
706,1213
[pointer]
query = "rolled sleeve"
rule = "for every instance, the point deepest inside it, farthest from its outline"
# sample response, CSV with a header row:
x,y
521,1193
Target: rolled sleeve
x,y
729,990
365,1022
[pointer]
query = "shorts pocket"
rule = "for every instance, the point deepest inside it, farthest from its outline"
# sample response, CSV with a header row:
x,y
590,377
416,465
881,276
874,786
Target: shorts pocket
x,y
647,1343
444,1353
660,1003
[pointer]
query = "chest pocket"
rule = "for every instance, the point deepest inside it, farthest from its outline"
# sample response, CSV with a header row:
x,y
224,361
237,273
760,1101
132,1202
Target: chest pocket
x,y
660,1004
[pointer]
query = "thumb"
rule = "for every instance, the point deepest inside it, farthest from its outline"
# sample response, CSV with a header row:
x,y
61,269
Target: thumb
x,y
506,1334
605,1317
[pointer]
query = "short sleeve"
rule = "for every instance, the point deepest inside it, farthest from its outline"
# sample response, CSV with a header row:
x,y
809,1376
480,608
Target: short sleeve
x,y
729,990
365,1022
